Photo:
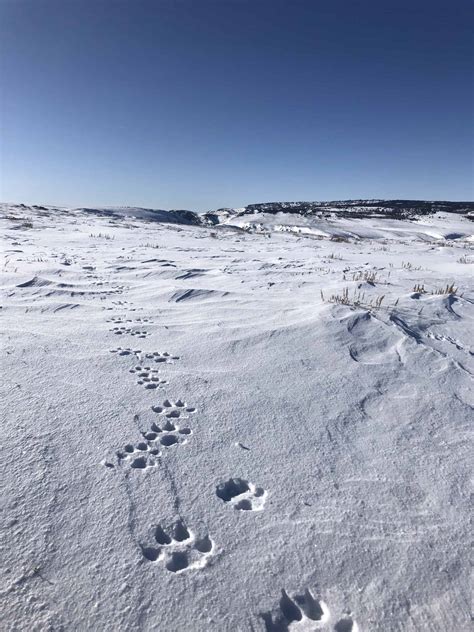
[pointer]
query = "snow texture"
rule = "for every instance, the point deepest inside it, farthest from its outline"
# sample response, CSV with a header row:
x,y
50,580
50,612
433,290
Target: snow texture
x,y
262,425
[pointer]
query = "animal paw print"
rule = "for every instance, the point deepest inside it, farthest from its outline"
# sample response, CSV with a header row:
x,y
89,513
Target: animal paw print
x,y
242,495
119,320
125,351
139,457
302,612
140,333
145,453
171,409
148,377
124,305
119,330
181,551
167,434
159,357
154,356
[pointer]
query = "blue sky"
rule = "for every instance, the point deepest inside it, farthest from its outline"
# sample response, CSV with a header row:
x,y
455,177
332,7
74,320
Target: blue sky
x,y
201,104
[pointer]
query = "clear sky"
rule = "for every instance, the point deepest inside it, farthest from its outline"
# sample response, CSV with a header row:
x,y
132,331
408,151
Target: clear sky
x,y
201,104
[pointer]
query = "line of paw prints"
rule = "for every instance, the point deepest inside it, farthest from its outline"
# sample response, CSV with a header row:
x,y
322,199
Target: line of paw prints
x,y
303,612
180,551
139,333
242,494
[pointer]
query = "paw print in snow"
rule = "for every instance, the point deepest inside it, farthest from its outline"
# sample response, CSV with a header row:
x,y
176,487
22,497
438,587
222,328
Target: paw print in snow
x,y
120,331
180,551
148,377
125,352
304,613
242,494
145,453
158,356
171,409
300,613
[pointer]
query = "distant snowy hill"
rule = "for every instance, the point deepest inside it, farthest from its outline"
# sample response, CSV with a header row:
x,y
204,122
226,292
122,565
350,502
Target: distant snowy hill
x,y
345,209
153,215
114,212
357,219
394,209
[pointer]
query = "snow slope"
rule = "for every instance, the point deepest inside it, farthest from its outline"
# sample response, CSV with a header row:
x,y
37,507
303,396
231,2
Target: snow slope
x,y
217,429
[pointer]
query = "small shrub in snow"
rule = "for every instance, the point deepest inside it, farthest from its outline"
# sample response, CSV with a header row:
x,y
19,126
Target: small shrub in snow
x,y
356,300
102,236
367,276
449,289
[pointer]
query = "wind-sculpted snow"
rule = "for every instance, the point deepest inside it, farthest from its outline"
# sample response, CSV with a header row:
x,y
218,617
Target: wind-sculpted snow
x,y
262,424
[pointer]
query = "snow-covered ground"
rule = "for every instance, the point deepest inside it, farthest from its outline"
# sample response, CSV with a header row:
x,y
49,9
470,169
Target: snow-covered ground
x,y
199,418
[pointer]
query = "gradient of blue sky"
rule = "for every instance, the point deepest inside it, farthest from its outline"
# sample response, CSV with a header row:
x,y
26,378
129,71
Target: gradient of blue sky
x,y
200,104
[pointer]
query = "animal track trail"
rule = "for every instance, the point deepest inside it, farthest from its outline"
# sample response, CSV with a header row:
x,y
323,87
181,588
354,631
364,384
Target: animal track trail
x,y
242,495
178,549
156,439
449,339
302,613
